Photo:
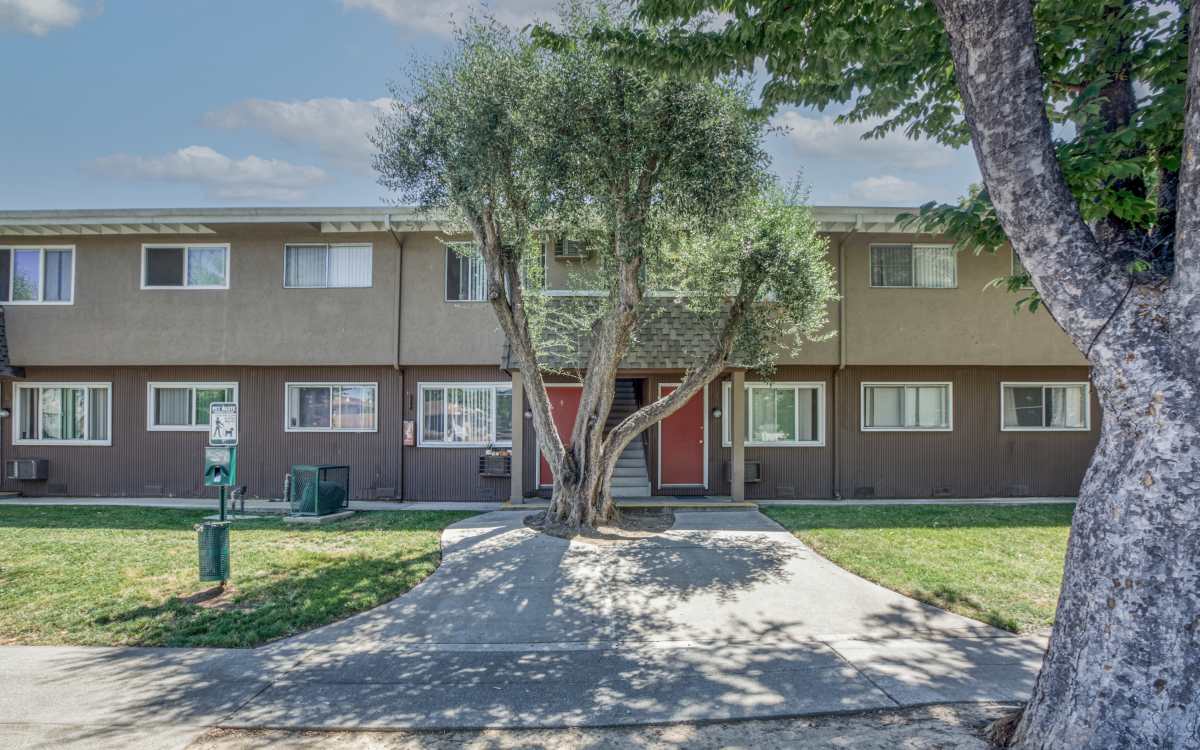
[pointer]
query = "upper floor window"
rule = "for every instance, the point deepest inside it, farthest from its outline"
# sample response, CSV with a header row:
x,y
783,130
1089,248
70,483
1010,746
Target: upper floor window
x,y
779,414
1045,406
326,266
332,407
465,415
184,406
62,413
906,406
466,275
185,266
37,275
914,266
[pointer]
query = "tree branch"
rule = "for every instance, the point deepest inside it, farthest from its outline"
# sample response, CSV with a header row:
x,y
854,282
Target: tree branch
x,y
1000,81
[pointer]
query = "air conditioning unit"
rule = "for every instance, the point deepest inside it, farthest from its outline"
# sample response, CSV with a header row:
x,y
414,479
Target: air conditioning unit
x,y
568,249
27,469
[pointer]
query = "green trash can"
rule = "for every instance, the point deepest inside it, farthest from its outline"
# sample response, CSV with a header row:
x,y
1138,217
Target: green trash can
x,y
212,538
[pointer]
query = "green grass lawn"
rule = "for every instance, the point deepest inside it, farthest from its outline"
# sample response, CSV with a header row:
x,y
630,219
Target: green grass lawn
x,y
999,564
120,576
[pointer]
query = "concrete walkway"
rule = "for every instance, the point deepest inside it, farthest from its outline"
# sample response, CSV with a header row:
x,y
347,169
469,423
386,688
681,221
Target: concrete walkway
x,y
725,616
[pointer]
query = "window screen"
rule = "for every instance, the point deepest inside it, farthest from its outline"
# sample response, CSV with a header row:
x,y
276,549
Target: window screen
x,y
164,266
466,275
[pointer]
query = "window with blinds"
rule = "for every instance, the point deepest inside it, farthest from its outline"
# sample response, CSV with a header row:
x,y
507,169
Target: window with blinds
x,y
906,406
914,266
62,413
466,275
184,406
465,415
37,275
327,266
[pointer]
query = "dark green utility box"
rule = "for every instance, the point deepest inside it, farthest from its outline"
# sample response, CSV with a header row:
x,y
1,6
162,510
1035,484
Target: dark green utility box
x,y
319,490
213,540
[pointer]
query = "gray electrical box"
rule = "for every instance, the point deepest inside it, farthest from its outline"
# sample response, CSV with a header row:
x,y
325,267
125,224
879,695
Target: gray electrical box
x,y
27,469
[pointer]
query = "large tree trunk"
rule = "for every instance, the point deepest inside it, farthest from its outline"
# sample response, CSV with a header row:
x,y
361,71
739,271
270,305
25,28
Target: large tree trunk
x,y
1123,667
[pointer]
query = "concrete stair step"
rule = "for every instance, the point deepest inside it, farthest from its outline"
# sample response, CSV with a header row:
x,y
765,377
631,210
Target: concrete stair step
x,y
629,481
630,471
642,490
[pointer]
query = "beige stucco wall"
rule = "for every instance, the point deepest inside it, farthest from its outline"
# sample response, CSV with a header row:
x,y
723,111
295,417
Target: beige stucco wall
x,y
434,331
966,325
254,322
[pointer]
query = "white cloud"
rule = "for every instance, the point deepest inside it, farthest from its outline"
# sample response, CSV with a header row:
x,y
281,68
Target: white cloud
x,y
439,18
821,137
338,127
888,189
248,179
38,17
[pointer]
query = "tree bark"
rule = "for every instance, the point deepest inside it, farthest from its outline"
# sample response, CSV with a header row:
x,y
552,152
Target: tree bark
x,y
1123,666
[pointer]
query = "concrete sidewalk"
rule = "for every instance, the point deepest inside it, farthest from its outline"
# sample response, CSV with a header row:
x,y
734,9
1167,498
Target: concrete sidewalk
x,y
726,616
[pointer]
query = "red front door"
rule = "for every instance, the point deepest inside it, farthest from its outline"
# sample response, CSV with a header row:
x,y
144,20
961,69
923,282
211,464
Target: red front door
x,y
681,446
564,406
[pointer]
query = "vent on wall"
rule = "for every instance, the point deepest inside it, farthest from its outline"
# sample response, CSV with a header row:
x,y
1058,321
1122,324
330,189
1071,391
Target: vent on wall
x,y
941,492
1018,490
864,492
785,491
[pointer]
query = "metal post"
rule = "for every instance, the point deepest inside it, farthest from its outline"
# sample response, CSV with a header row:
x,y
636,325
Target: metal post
x,y
222,502
737,403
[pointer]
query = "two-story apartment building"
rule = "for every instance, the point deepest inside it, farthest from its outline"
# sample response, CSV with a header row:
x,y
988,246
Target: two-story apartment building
x,y
357,336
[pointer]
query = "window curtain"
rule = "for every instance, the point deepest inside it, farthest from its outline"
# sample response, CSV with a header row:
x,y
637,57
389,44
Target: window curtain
x,y
468,415
925,406
29,412
934,268
305,266
891,265
173,407
97,414
885,404
350,266
1064,406
58,275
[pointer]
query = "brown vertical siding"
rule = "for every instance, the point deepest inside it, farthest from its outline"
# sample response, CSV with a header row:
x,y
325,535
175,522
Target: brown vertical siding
x,y
144,463
976,459
448,473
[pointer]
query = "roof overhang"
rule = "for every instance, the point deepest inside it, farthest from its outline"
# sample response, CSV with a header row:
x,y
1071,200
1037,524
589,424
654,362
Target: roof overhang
x,y
207,221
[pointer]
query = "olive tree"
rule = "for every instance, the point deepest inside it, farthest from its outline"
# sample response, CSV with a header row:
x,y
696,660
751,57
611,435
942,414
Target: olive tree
x,y
1084,116
662,177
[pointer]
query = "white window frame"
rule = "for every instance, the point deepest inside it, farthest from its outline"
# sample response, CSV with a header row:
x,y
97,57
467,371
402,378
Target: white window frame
x,y
871,257
448,248
187,248
287,387
1043,384
329,246
192,384
727,422
493,386
17,417
12,268
862,404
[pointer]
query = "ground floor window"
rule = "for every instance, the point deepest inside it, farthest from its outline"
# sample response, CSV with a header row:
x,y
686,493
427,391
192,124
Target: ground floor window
x,y
778,414
906,406
465,414
62,413
332,407
184,406
1045,406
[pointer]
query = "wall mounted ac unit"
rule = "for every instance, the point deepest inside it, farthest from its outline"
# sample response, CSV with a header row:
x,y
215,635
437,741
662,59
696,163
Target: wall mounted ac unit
x,y
27,469
568,249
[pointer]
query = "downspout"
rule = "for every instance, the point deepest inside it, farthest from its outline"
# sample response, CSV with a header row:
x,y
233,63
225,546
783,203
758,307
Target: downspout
x,y
842,356
387,224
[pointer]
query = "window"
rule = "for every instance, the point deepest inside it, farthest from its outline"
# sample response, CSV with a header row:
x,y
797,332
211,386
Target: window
x,y
465,415
915,266
466,275
184,406
332,407
778,414
1045,406
37,275
62,413
185,266
906,406
326,266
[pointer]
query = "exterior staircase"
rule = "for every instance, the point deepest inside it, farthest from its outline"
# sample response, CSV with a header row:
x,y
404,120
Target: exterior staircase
x,y
631,478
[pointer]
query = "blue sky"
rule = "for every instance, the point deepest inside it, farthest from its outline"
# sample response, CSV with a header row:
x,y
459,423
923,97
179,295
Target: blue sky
x,y
152,103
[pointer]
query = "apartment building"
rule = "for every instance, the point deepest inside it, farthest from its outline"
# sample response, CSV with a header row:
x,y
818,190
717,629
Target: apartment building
x,y
356,336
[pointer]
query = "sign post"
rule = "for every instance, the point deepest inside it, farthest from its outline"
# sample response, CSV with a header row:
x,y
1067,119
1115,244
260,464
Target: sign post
x,y
222,441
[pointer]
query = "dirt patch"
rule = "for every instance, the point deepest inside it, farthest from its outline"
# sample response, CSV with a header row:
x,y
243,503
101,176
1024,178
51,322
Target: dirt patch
x,y
630,526
221,598
943,727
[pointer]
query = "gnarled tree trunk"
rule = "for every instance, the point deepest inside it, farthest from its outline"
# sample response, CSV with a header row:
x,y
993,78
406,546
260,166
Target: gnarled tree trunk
x,y
1123,667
